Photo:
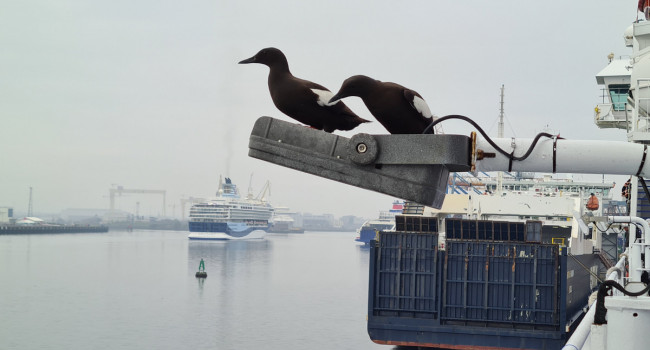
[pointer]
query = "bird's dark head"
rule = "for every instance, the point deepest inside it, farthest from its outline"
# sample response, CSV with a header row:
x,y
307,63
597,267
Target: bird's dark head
x,y
269,56
358,85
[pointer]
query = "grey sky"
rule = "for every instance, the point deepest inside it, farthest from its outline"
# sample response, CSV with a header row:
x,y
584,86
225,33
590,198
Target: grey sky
x,y
148,94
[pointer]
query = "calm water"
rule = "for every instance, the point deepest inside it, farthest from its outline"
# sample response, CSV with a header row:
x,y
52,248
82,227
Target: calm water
x,y
137,290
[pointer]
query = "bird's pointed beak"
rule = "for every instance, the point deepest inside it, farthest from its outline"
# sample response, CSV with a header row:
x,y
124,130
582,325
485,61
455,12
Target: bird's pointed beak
x,y
335,98
248,60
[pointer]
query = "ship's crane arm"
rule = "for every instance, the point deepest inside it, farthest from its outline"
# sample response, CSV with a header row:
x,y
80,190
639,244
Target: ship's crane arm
x,y
416,167
265,190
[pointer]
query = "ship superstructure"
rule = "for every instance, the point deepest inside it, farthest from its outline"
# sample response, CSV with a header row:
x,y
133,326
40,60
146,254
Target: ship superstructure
x,y
228,215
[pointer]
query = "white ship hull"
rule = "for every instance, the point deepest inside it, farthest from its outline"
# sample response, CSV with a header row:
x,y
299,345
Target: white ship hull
x,y
221,236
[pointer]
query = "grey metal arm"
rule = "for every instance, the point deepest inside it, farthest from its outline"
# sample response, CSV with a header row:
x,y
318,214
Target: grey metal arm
x,y
411,167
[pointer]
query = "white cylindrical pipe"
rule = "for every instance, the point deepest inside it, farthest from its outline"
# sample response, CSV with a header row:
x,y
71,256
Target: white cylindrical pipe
x,y
571,156
634,258
581,333
635,263
646,237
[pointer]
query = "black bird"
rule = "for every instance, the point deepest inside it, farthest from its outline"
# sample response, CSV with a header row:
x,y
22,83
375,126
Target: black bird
x,y
400,110
303,100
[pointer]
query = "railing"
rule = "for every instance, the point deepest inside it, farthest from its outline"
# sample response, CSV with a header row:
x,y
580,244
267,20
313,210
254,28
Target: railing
x,y
454,186
412,208
583,330
635,265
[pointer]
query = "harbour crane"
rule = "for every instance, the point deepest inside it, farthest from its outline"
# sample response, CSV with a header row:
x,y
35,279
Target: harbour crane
x,y
121,190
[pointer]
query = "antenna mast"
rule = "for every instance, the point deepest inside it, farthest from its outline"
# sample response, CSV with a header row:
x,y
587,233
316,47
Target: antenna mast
x,y
500,173
501,115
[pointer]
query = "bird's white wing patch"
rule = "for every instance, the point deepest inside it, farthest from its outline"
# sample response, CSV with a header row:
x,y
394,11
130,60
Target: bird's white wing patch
x,y
421,106
324,97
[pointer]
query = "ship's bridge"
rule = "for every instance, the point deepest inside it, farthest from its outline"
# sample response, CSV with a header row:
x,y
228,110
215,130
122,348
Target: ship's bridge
x,y
614,111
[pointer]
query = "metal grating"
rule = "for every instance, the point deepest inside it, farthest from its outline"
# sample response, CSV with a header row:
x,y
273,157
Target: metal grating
x,y
487,230
406,275
415,224
500,282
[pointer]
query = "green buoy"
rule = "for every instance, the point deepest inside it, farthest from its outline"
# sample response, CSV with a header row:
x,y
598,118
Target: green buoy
x,y
201,273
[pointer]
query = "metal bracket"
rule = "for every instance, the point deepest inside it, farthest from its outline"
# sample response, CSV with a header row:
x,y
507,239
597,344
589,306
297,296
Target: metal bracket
x,y
411,167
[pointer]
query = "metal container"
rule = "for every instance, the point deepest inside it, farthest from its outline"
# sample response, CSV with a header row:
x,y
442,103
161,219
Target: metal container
x,y
406,276
488,289
509,283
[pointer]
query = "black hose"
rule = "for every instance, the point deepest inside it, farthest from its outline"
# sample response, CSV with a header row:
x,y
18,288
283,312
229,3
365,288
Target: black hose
x,y
605,288
487,138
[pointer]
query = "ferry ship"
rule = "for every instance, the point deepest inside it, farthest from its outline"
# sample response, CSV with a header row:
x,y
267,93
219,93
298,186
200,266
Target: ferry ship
x,y
385,222
283,221
228,216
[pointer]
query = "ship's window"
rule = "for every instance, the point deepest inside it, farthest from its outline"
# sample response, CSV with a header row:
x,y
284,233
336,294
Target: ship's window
x,y
618,94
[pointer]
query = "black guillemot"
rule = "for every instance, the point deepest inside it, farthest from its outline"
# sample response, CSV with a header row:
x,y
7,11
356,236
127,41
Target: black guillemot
x,y
400,110
303,100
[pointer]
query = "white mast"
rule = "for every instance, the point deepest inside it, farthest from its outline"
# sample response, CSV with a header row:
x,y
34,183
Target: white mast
x,y
500,173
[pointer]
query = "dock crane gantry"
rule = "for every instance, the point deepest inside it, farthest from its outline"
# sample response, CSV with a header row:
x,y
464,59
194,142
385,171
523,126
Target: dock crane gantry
x,y
121,190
